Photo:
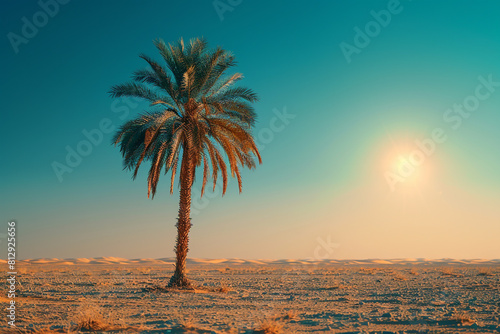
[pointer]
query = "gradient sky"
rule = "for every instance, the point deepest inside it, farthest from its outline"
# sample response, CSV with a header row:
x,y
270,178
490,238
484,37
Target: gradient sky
x,y
323,177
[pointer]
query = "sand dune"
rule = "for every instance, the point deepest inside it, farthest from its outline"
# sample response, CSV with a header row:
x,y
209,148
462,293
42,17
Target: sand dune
x,y
291,262
382,262
207,261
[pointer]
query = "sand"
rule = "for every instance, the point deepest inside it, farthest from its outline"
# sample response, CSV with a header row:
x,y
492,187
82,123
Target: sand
x,y
243,296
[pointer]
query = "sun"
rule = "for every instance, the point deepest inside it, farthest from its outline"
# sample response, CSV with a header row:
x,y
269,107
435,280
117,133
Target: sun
x,y
410,171
404,167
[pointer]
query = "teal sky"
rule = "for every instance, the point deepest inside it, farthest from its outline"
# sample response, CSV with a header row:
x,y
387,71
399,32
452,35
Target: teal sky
x,y
324,168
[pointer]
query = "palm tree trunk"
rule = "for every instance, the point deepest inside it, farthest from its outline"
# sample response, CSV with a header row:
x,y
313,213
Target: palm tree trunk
x,y
179,279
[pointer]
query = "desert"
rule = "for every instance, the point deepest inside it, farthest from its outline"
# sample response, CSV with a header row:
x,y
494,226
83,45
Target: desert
x,y
111,294
241,167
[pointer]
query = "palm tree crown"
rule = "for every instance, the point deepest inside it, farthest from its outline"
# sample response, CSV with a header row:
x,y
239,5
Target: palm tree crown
x,y
200,112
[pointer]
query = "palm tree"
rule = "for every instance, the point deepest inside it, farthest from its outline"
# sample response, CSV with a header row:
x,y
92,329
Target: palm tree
x,y
196,113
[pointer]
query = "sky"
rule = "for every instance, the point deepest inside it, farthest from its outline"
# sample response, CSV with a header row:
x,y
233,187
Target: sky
x,y
378,125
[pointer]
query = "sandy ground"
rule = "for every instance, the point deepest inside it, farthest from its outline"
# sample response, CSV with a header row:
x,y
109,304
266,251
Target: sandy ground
x,y
238,296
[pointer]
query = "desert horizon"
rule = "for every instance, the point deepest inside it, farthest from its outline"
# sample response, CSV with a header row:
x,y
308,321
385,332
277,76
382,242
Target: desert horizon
x,y
311,261
110,294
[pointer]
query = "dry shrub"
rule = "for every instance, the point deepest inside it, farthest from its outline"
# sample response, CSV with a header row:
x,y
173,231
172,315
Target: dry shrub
x,y
446,271
185,321
269,326
187,324
485,272
90,318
